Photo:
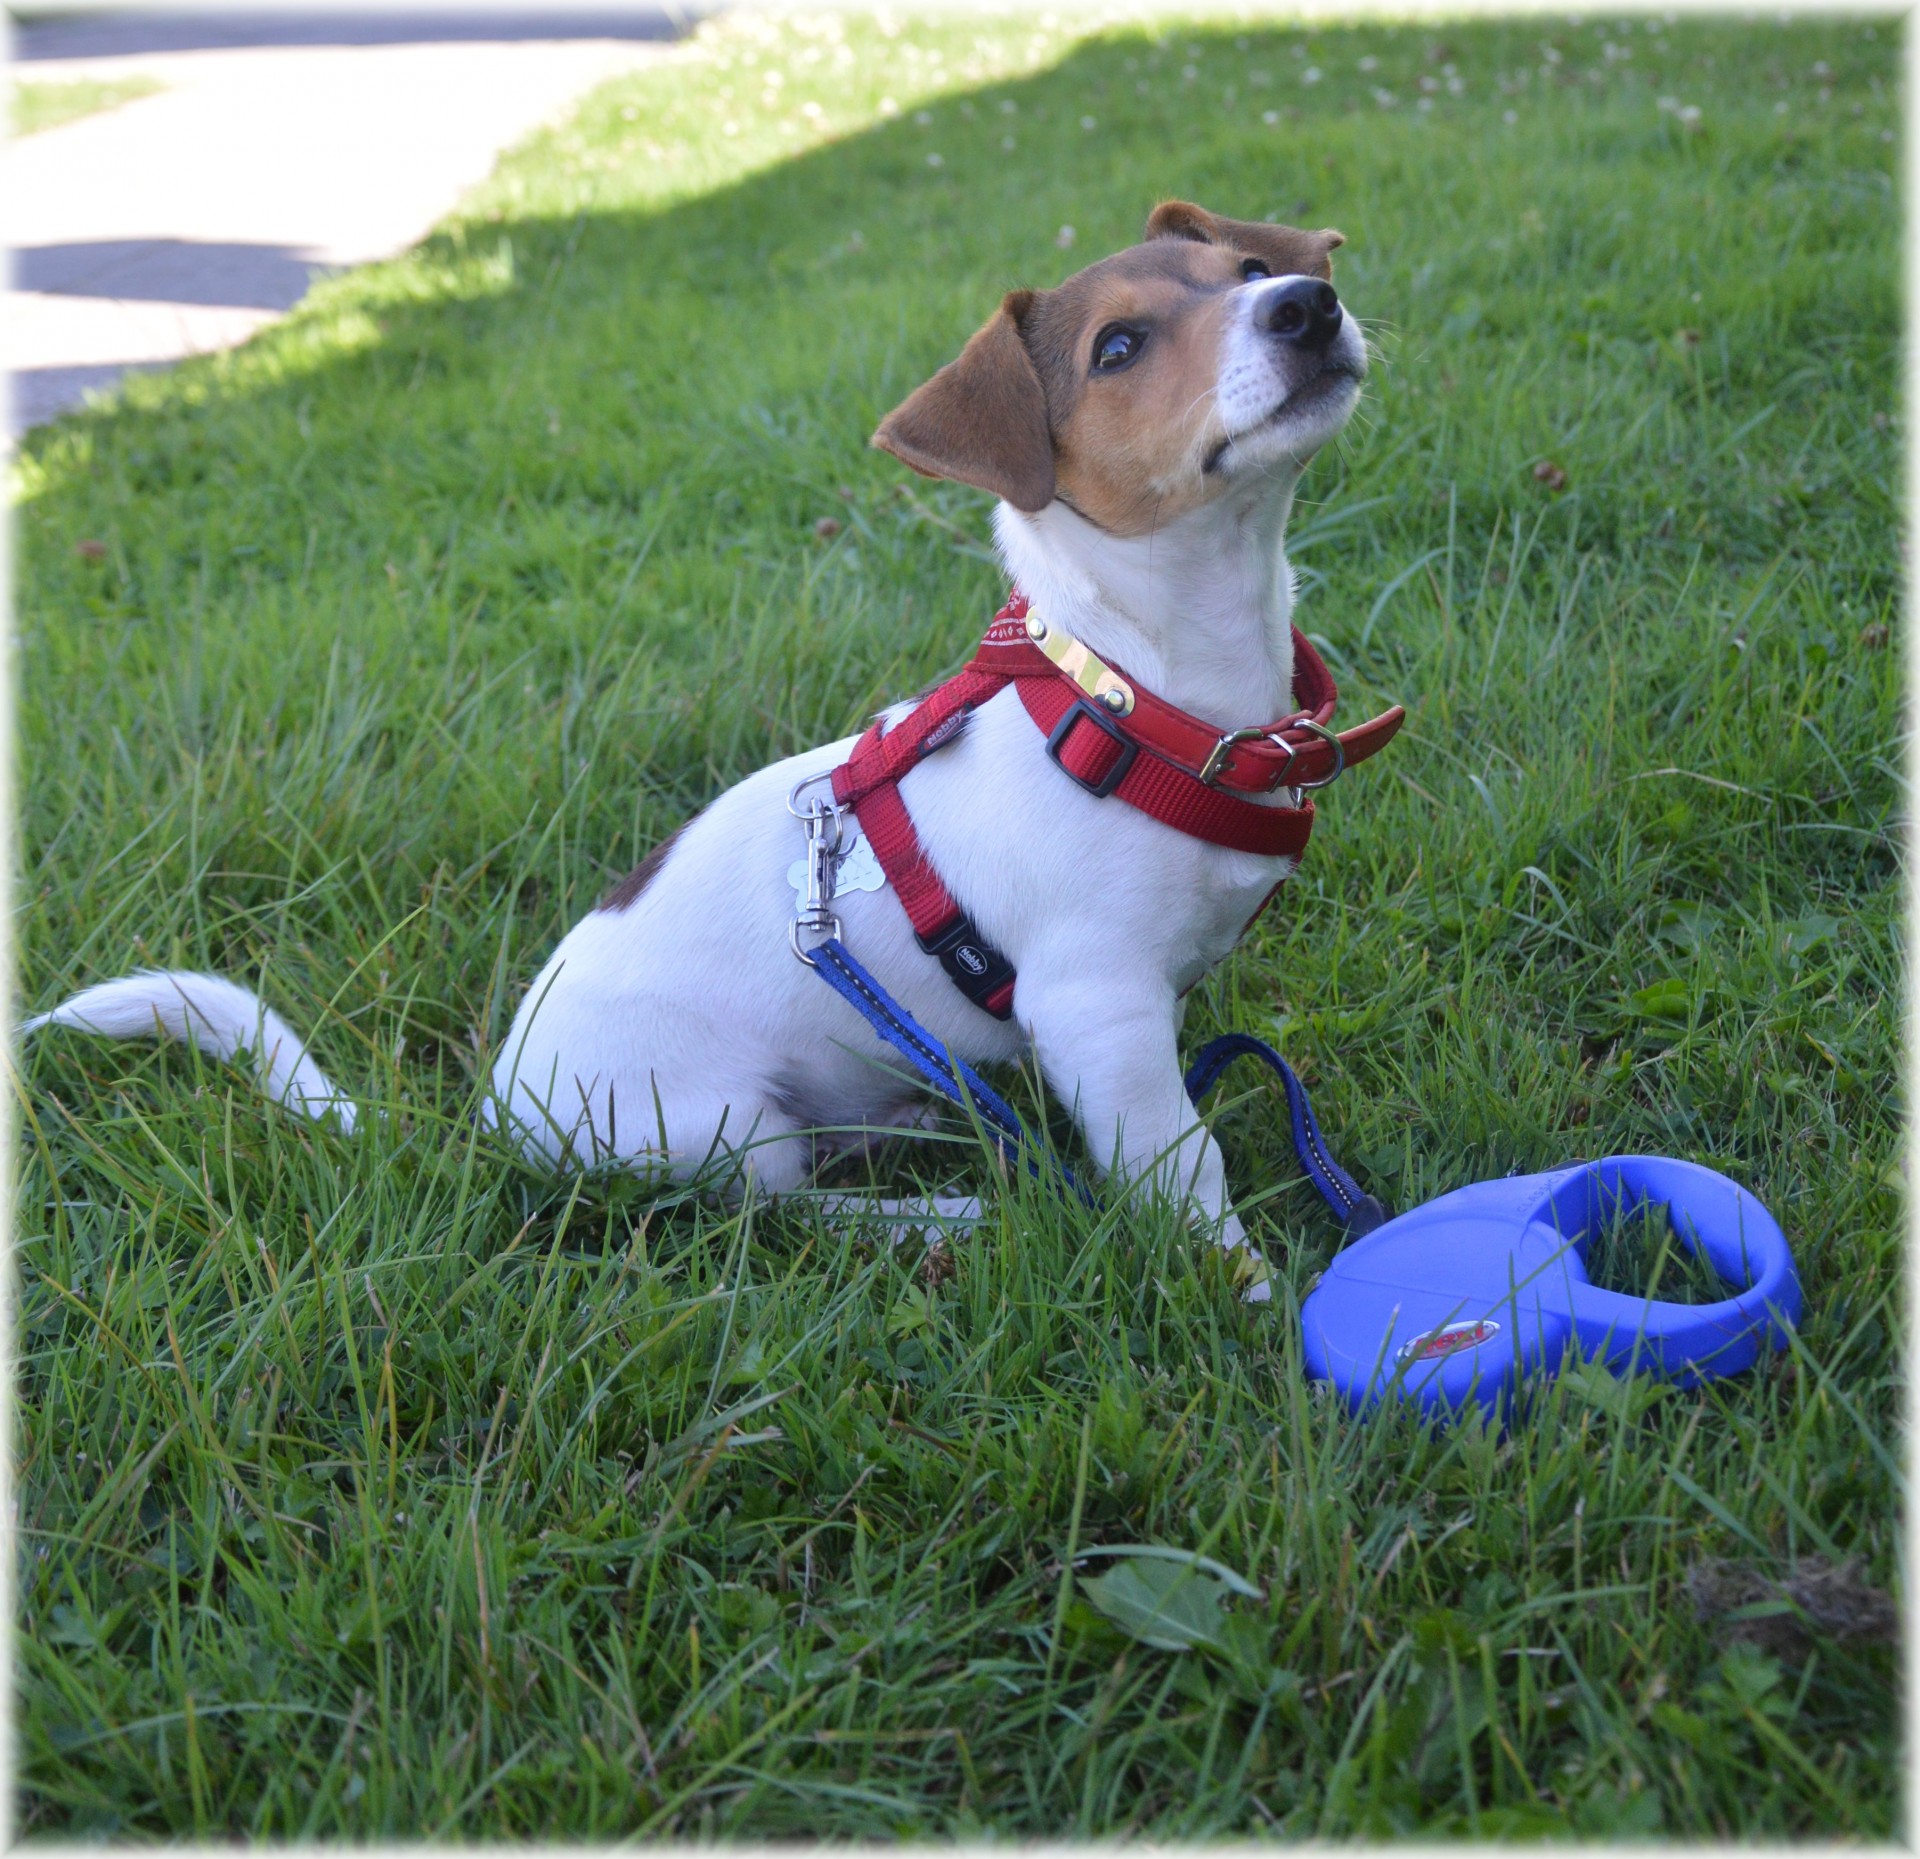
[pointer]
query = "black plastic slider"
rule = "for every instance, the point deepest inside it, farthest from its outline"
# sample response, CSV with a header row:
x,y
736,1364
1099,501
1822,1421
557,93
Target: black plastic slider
x,y
973,964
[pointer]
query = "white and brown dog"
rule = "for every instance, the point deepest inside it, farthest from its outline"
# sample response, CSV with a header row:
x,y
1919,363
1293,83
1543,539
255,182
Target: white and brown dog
x,y
1143,427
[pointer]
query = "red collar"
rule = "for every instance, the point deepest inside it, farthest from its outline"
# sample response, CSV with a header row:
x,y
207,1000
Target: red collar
x,y
1113,738
1059,677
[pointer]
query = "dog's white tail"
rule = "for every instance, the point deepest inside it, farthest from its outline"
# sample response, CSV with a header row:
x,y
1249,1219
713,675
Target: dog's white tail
x,y
218,1017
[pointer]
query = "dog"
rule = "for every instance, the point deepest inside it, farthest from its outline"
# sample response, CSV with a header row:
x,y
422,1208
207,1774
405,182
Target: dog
x,y
1143,427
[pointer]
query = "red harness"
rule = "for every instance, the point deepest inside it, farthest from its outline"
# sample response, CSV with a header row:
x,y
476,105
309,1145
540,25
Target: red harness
x,y
1113,738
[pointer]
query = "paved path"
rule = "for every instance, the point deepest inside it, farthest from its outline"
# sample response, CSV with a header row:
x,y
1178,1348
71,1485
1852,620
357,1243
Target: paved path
x,y
285,143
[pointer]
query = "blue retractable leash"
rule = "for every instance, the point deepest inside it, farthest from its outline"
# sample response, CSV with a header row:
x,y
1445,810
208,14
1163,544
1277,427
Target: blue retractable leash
x,y
1455,1303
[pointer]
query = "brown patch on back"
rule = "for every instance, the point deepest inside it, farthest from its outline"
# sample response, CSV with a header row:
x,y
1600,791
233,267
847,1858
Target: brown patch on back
x,y
627,892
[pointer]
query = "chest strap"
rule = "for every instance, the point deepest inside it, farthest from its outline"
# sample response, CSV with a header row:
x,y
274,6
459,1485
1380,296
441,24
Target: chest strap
x,y
1112,738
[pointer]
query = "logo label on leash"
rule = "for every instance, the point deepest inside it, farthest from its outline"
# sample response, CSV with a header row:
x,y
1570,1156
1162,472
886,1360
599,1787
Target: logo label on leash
x,y
1449,1339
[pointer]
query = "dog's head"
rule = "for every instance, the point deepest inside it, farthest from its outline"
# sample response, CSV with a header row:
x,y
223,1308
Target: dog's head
x,y
1146,384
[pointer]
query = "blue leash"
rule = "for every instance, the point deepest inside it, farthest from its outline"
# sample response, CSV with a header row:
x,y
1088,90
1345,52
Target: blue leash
x,y
1357,1211
954,1078
1464,1299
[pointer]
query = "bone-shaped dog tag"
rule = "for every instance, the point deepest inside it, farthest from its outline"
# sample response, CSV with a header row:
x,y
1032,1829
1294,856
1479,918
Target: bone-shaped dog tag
x,y
856,869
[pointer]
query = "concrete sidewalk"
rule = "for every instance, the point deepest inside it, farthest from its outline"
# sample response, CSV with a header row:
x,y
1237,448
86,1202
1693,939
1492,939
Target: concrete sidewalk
x,y
285,144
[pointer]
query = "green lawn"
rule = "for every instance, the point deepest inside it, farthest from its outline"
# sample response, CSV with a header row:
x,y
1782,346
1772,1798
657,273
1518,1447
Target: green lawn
x,y
380,1486
46,106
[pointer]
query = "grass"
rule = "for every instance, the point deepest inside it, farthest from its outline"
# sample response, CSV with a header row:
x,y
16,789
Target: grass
x,y
379,1486
46,106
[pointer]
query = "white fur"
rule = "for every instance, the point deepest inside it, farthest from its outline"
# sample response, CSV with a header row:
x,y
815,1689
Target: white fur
x,y
218,1017
682,1027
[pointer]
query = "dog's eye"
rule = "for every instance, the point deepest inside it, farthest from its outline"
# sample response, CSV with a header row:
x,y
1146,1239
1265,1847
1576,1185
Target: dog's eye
x,y
1251,268
1114,347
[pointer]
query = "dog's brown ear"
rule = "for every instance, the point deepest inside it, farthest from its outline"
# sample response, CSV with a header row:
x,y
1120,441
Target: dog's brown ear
x,y
982,420
1285,250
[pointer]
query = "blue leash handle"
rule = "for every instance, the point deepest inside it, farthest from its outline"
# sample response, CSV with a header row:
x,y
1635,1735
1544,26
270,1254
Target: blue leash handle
x,y
1356,1210
954,1078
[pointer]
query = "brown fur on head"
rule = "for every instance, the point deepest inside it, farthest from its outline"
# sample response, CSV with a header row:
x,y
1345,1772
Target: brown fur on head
x,y
1023,413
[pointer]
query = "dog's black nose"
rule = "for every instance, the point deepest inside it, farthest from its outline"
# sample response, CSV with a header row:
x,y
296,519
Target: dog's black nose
x,y
1305,312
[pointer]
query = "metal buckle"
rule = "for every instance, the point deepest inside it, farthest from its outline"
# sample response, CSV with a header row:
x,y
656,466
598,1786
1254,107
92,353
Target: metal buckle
x,y
1339,755
1129,749
1217,756
819,816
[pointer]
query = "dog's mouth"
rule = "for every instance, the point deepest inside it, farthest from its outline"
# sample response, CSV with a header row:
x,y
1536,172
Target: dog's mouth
x,y
1335,379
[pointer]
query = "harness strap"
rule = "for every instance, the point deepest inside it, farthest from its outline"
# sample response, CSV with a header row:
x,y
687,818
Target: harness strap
x,y
868,781
1111,738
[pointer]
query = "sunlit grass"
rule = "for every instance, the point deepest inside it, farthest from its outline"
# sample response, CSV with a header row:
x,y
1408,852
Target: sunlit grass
x,y
32,106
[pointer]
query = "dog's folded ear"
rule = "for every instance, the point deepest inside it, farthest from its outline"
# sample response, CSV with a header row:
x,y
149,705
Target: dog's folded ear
x,y
982,420
1285,250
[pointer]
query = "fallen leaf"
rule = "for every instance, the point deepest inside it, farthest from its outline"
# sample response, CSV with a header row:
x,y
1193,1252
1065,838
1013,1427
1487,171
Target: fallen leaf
x,y
1169,1598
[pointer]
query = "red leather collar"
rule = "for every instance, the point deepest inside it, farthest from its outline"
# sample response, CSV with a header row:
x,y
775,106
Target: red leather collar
x,y
1298,750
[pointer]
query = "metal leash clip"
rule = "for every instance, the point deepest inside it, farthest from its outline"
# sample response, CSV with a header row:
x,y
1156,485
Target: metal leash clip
x,y
825,824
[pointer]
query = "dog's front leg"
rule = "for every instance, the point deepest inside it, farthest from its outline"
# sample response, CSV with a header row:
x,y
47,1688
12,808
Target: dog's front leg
x,y
1110,1047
